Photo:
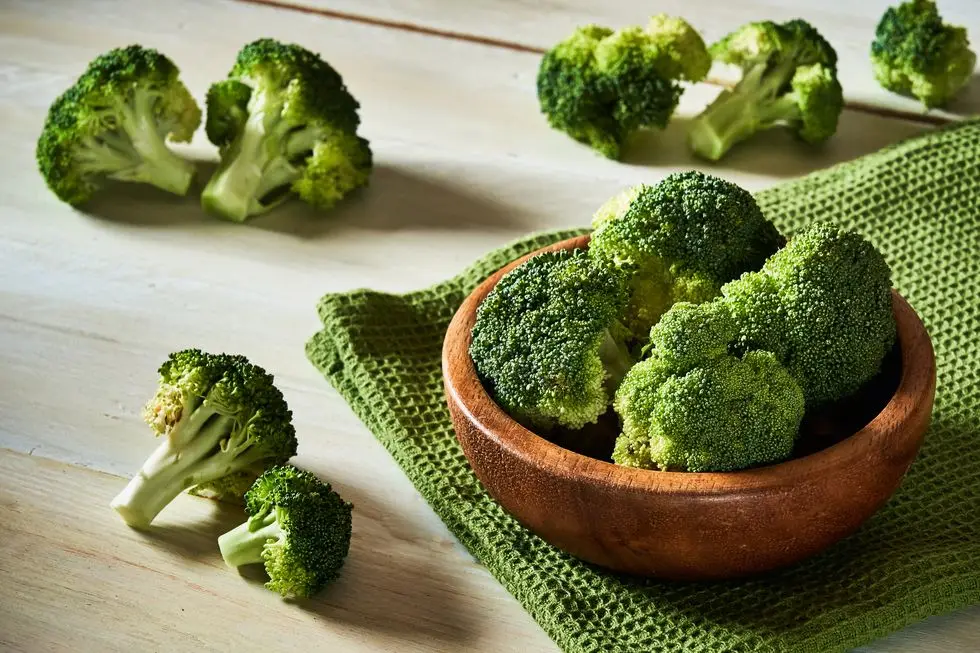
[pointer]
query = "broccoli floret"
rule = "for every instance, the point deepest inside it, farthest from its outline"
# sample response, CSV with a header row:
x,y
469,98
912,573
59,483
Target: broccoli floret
x,y
692,406
297,526
823,306
789,78
599,85
219,415
547,343
285,125
915,53
114,123
680,241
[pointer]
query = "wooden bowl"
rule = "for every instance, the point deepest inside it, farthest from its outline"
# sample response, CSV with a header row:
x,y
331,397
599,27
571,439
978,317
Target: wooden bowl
x,y
690,526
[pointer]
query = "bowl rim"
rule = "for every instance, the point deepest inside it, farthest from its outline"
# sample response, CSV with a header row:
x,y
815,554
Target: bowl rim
x,y
464,389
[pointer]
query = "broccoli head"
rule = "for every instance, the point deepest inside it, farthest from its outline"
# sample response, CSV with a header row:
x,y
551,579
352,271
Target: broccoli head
x,y
680,241
692,406
915,53
114,123
599,85
298,527
823,306
547,342
285,125
220,417
789,78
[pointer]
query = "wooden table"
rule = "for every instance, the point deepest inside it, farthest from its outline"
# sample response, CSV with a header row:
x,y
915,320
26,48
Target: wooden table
x,y
91,303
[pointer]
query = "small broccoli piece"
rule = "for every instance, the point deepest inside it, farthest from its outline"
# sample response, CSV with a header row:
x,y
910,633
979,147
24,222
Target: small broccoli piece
x,y
789,78
823,306
915,53
285,125
547,343
220,416
691,406
599,85
114,123
680,241
297,526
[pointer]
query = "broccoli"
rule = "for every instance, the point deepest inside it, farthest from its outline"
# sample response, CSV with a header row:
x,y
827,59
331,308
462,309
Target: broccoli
x,y
114,123
297,526
915,53
680,241
692,406
823,306
285,124
220,416
599,85
789,78
547,342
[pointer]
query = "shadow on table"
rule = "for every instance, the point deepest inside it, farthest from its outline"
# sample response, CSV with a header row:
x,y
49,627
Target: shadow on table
x,y
195,539
774,152
967,101
401,198
397,198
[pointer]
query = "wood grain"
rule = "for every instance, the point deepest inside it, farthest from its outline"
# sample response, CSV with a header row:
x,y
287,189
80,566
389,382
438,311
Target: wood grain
x,y
92,301
536,26
688,526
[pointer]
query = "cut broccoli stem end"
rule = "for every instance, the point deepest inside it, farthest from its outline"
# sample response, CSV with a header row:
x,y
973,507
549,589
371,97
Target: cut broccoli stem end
x,y
207,456
245,544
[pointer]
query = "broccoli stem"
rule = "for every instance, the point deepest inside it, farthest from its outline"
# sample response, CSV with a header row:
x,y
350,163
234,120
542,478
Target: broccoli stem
x,y
253,165
616,360
736,115
143,156
244,544
201,450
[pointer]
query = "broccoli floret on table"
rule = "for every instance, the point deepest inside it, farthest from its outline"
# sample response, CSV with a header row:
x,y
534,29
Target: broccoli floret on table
x,y
114,123
285,125
789,79
298,527
915,53
220,416
599,85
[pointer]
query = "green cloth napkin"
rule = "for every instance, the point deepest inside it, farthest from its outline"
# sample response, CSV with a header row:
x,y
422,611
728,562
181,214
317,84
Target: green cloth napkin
x,y
919,202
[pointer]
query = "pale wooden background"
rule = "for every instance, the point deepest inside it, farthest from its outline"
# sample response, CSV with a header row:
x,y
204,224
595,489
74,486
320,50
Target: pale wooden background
x,y
91,303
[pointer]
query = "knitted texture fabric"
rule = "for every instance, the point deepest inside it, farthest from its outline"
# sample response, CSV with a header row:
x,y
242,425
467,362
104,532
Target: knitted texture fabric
x,y
919,203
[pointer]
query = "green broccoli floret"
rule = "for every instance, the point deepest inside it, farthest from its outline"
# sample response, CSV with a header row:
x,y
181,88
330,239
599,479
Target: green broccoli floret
x,y
220,415
789,78
114,123
823,306
680,241
915,53
692,406
285,124
297,526
547,343
599,85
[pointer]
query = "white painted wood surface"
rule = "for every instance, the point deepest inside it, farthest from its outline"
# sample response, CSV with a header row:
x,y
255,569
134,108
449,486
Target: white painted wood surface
x,y
91,303
848,24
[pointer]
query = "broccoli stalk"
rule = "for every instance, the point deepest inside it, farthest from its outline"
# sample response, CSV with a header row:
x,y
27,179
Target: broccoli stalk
x,y
298,527
246,544
789,79
220,416
113,123
285,124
